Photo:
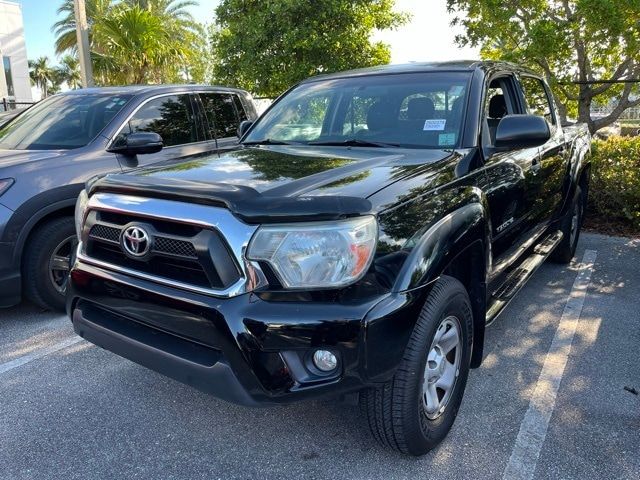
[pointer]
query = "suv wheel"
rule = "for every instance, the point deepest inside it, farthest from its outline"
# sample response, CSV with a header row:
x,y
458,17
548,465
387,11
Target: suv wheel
x,y
46,263
414,411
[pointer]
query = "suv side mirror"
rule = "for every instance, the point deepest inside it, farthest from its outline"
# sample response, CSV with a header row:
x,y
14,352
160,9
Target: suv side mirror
x,y
138,143
521,131
243,127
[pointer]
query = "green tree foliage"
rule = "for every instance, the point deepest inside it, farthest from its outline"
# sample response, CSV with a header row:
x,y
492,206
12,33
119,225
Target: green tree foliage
x,y
70,70
41,74
137,41
265,46
65,28
132,45
566,40
615,180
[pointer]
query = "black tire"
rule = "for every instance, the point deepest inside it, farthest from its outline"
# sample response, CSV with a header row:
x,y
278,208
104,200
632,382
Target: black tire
x,y
566,249
38,279
395,411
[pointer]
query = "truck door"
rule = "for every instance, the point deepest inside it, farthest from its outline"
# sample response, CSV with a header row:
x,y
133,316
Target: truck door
x,y
510,180
553,157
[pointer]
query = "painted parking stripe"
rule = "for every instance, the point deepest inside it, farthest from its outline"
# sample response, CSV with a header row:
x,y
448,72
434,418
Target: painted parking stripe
x,y
533,429
18,362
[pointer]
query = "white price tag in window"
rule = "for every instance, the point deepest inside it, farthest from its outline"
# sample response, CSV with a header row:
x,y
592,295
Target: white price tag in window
x,y
435,124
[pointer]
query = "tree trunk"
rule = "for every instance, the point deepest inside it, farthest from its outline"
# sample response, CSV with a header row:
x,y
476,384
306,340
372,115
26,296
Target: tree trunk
x,y
584,108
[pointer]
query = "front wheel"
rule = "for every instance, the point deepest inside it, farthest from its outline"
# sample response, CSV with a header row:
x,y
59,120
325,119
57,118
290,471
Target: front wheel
x,y
414,411
46,263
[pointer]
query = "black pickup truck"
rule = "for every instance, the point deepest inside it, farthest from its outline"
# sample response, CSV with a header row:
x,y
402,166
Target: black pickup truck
x,y
361,237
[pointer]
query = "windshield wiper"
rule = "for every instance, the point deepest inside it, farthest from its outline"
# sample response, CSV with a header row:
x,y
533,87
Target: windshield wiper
x,y
267,141
354,142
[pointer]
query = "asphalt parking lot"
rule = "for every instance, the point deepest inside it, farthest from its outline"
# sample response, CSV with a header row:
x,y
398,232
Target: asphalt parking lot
x,y
71,410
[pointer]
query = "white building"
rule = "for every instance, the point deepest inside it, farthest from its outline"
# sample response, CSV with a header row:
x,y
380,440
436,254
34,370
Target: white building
x,y
14,78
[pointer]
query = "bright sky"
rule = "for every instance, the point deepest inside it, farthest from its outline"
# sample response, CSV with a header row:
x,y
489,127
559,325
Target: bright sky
x,y
428,35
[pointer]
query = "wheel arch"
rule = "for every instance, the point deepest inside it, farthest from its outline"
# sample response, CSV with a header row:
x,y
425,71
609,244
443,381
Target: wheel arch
x,y
63,208
458,245
580,172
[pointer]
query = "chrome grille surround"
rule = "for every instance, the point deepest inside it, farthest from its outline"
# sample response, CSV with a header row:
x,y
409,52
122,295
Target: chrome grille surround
x,y
235,233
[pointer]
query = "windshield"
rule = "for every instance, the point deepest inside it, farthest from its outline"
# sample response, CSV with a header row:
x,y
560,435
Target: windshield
x,y
417,110
61,122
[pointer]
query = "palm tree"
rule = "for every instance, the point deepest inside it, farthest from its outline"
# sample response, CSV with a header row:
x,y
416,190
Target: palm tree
x,y
70,68
134,40
41,74
172,9
137,46
65,28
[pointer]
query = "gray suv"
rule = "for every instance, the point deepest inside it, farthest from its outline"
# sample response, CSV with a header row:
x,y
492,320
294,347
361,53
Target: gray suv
x,y
50,150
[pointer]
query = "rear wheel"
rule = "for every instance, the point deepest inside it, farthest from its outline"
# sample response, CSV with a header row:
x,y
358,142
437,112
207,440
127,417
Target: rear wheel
x,y
414,411
570,227
46,263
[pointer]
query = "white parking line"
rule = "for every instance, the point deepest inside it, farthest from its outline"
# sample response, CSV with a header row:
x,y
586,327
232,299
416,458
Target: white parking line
x,y
18,362
533,429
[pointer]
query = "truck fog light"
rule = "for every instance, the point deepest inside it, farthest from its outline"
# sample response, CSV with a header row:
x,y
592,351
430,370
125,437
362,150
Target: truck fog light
x,y
324,360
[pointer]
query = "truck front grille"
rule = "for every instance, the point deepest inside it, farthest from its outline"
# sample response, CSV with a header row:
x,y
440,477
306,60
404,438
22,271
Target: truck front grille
x,y
182,253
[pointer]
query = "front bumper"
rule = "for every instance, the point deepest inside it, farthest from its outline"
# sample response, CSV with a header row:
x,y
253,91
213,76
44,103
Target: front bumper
x,y
188,362
250,349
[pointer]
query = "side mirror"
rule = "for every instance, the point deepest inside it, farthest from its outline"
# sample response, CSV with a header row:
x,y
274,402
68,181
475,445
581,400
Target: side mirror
x,y
138,143
243,127
521,131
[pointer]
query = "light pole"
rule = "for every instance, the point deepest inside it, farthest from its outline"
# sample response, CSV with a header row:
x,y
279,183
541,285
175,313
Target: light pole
x,y
82,33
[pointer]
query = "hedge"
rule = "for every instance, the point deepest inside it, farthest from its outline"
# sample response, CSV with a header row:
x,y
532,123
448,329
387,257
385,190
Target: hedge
x,y
615,179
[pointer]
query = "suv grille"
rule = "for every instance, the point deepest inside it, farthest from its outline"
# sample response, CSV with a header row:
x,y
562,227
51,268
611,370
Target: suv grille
x,y
179,252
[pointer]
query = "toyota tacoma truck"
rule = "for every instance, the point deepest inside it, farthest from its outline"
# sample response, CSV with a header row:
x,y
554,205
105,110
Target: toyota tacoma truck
x,y
361,237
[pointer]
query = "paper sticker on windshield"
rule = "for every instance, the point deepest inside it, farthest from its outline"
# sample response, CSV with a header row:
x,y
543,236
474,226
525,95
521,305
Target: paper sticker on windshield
x,y
434,124
456,90
446,139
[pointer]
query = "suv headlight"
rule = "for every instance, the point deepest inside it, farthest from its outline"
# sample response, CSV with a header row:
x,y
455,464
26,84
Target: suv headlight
x,y
81,209
317,255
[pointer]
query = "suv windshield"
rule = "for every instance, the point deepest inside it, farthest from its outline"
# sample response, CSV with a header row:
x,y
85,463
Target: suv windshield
x,y
416,110
61,122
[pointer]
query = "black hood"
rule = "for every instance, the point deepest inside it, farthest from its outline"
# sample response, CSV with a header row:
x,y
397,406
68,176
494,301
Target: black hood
x,y
287,183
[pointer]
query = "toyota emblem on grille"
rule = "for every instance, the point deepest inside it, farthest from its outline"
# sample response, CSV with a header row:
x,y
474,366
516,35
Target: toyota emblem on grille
x,y
135,241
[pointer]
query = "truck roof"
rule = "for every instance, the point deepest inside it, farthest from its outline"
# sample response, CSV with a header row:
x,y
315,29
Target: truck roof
x,y
417,67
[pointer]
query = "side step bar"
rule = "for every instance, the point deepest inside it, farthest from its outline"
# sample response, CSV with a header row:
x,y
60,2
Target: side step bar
x,y
516,279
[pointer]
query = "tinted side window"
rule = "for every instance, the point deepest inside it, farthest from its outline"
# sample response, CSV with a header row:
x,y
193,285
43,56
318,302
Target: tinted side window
x,y
221,114
239,108
171,117
536,98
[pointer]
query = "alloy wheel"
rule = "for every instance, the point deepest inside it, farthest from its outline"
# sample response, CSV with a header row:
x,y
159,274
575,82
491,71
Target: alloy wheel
x,y
442,368
59,264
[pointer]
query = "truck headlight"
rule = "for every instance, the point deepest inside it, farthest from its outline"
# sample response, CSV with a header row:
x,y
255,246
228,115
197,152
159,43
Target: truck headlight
x,y
81,209
317,255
